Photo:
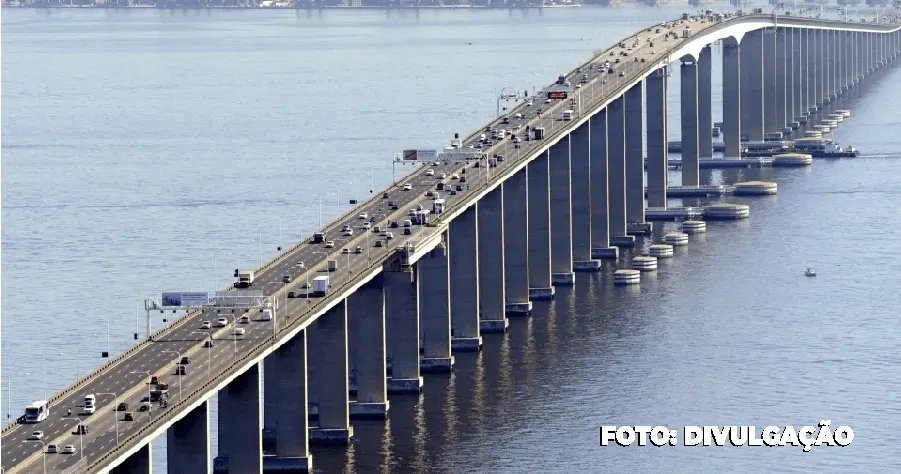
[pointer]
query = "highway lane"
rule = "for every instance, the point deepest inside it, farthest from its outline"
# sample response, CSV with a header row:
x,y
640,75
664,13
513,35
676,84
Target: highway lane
x,y
180,338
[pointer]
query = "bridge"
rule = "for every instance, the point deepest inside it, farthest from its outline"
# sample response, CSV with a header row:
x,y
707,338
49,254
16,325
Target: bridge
x,y
555,195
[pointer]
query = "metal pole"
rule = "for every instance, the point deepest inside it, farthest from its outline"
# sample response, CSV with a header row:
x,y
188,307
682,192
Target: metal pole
x,y
9,397
179,376
43,453
261,247
113,410
320,212
279,230
210,336
107,335
45,376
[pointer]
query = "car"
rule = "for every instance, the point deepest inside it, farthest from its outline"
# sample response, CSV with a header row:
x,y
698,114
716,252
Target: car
x,y
129,417
408,187
345,251
358,249
122,407
378,243
286,279
389,235
239,332
330,244
408,231
206,325
80,430
348,233
529,103
221,322
88,410
244,319
345,227
430,173
455,176
52,449
181,370
442,176
208,343
363,215
394,225
184,361
68,449
146,406
367,225
430,193
622,74
384,195
36,436
547,101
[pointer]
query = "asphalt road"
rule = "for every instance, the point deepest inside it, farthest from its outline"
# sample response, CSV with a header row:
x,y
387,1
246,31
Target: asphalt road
x,y
127,381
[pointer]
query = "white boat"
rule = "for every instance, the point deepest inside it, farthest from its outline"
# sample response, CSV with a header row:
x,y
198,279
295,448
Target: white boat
x,y
810,272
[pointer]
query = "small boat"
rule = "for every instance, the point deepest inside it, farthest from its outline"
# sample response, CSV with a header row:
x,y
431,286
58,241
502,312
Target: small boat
x,y
810,272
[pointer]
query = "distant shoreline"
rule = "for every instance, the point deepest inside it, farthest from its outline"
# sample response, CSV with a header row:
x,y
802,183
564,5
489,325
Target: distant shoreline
x,y
423,7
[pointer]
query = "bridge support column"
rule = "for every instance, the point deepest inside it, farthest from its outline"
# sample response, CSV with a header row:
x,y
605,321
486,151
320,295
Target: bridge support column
x,y
434,311
828,64
658,174
616,173
834,64
600,217
288,365
561,214
769,81
690,170
540,287
732,90
782,70
705,103
751,63
811,72
402,324
492,294
240,425
328,341
580,179
790,79
516,244
141,462
799,79
819,68
366,346
464,281
188,442
635,223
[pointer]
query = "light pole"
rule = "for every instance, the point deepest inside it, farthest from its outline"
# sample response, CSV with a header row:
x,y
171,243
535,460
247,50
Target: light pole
x,y
145,372
113,409
9,396
261,247
43,452
209,352
337,201
76,363
177,371
80,436
344,246
216,268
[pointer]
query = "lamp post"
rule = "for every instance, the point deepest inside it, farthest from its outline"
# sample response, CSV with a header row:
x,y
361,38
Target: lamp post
x,y
80,436
76,363
145,372
113,409
261,247
179,374
216,268
337,201
208,354
43,452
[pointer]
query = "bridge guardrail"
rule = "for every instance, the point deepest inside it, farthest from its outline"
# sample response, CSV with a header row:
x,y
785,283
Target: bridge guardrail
x,y
199,393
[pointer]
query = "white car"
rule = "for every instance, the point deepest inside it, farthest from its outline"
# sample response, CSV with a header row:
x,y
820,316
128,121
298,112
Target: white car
x,y
36,436
348,233
408,187
442,176
547,101
239,332
455,176
244,320
221,322
430,173
68,449
367,225
206,325
363,215
529,103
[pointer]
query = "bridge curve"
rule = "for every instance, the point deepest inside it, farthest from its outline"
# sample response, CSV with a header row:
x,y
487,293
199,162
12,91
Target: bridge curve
x,y
495,186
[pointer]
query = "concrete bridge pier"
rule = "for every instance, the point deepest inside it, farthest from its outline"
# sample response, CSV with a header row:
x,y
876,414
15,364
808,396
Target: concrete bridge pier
x,y
492,294
286,405
464,281
540,287
658,174
240,425
790,78
813,74
799,78
402,327
188,441
635,221
561,214
434,311
580,181
770,122
705,103
819,69
328,344
516,244
732,90
780,124
689,92
140,462
367,341
600,190
616,173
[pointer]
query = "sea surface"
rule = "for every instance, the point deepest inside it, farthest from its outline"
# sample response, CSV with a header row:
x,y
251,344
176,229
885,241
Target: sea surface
x,y
147,151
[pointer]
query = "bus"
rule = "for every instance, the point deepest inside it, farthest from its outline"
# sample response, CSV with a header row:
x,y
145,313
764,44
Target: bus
x,y
37,411
567,115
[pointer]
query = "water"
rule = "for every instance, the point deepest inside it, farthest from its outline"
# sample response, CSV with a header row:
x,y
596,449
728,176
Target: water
x,y
146,151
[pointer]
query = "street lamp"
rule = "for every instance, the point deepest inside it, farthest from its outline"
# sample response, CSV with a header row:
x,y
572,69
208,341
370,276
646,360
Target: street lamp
x,y
177,371
209,353
43,452
344,246
114,411
80,436
320,206
216,268
76,363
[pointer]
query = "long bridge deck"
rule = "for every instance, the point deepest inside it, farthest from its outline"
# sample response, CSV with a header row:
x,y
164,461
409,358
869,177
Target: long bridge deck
x,y
125,378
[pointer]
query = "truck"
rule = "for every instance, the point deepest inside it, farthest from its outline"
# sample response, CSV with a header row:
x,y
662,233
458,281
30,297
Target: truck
x,y
320,286
245,279
332,265
318,238
539,133
438,206
567,115
159,391
686,33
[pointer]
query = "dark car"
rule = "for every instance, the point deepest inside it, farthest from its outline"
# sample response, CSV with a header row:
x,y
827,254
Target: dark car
x,y
408,231
208,343
81,430
129,417
185,360
122,407
394,224
182,370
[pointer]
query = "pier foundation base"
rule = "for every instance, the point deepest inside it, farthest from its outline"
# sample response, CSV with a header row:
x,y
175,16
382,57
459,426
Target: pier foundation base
x,y
405,385
271,464
434,365
605,253
587,266
638,228
466,344
369,411
330,436
519,309
541,294
626,241
494,325
563,279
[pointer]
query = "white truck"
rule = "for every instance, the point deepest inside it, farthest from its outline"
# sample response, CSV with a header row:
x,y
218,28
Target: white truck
x,y
567,115
320,286
245,279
